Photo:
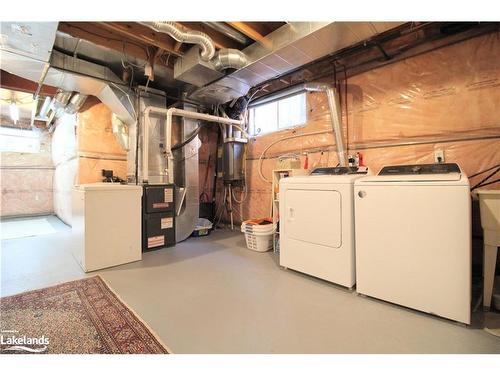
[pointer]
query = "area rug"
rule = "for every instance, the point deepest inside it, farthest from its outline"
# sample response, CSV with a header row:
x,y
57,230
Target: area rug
x,y
82,316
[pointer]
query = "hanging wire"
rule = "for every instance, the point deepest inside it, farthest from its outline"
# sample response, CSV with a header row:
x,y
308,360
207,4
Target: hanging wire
x,y
483,181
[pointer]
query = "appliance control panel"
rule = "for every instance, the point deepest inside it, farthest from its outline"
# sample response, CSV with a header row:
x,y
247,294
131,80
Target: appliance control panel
x,y
442,168
338,171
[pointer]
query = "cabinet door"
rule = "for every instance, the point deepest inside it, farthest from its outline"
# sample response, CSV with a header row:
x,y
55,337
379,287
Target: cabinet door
x,y
313,216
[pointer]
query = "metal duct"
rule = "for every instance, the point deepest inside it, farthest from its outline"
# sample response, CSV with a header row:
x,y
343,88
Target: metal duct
x,y
189,36
75,103
186,180
229,58
120,130
228,31
335,116
192,69
72,74
61,99
286,49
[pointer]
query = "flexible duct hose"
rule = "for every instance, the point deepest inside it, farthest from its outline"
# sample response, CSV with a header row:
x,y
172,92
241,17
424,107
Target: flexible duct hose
x,y
189,36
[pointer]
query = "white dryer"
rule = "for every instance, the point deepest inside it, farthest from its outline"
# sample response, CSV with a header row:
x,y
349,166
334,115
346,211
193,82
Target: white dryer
x,y
413,238
317,224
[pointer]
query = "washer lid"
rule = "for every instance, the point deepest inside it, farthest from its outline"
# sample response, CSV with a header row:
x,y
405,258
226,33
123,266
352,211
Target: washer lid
x,y
418,173
420,169
322,179
415,178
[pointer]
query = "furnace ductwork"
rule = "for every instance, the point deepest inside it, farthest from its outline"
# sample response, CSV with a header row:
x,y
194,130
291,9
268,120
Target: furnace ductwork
x,y
229,58
188,36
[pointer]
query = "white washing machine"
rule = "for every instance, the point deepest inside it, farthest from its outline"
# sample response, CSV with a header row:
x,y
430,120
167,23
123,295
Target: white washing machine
x,y
317,224
413,238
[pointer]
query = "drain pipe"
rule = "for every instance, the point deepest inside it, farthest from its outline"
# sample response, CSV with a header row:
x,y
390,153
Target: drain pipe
x,y
168,134
335,114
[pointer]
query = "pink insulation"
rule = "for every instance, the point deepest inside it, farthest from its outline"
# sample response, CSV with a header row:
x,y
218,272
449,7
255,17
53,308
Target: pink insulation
x,y
447,99
98,147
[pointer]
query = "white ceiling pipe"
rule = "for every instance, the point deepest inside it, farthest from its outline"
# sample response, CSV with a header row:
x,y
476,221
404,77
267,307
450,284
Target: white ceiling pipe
x,y
168,134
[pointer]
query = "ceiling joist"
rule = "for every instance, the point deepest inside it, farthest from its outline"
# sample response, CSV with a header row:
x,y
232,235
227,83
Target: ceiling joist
x,y
248,30
219,39
142,34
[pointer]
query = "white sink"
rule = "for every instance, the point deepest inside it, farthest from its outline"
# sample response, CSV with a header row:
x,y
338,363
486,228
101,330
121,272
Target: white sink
x,y
489,205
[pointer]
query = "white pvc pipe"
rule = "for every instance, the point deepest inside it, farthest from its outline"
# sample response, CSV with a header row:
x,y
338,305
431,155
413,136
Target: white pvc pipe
x,y
168,134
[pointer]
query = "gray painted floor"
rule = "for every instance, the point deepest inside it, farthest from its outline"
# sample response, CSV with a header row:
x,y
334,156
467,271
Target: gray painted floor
x,y
212,295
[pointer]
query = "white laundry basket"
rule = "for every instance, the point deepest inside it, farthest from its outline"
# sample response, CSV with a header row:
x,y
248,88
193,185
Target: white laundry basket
x,y
259,237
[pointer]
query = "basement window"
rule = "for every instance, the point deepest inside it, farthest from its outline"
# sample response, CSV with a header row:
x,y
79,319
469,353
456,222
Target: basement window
x,y
277,114
19,140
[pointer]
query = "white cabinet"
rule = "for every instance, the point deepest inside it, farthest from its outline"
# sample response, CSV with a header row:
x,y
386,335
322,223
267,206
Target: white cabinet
x,y
106,225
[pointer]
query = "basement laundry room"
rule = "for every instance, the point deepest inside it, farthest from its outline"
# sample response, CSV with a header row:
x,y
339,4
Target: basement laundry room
x,y
249,187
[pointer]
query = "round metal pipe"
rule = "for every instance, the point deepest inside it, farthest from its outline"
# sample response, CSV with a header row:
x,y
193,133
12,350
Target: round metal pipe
x,y
228,31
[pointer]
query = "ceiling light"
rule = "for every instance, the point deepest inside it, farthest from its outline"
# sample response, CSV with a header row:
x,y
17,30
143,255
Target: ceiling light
x,y
14,112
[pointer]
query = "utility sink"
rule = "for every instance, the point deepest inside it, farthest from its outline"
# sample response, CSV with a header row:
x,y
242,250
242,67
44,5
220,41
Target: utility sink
x,y
489,206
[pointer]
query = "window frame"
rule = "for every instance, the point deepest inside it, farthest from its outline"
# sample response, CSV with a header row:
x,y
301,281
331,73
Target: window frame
x,y
276,98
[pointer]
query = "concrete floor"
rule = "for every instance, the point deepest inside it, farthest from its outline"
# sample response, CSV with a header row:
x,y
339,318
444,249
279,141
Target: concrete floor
x,y
212,295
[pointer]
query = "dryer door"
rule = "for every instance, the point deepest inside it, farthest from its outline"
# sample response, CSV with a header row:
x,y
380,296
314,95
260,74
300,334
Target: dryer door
x,y
314,216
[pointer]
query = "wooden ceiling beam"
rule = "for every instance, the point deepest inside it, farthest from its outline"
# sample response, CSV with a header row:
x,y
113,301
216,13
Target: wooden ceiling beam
x,y
93,33
13,82
143,34
102,38
264,28
248,30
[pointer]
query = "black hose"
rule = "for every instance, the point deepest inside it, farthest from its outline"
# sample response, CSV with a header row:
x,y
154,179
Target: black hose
x,y
486,170
486,183
481,183
189,139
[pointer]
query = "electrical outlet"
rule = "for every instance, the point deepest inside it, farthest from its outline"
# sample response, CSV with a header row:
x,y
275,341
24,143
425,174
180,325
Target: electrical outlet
x,y
439,156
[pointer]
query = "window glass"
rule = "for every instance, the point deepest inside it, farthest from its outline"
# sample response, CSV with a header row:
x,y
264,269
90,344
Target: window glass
x,y
279,114
292,111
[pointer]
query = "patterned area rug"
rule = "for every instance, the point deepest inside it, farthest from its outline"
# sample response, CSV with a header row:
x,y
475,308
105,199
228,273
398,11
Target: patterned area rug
x,y
82,316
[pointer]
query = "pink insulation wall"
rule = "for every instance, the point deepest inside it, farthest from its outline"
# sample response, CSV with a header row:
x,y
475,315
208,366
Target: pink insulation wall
x,y
447,99
98,148
26,181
